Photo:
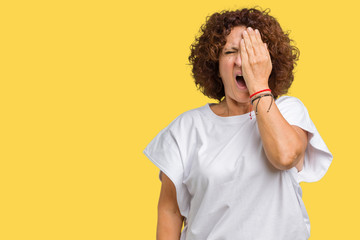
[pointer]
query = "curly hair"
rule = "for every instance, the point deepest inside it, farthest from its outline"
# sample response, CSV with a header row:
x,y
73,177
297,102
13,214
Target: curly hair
x,y
205,50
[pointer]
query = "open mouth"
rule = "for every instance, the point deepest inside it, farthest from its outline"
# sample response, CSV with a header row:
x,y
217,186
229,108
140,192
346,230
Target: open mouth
x,y
240,82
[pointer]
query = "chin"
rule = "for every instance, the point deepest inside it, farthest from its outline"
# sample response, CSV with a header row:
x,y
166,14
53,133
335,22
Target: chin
x,y
243,94
243,97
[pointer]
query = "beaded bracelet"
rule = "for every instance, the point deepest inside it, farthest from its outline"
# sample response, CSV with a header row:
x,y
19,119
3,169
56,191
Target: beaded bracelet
x,y
259,97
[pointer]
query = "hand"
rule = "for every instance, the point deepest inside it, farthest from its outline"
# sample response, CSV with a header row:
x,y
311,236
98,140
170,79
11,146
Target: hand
x,y
256,61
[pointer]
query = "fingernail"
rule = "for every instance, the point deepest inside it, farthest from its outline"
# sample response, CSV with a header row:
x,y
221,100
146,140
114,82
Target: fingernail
x,y
257,31
249,28
245,32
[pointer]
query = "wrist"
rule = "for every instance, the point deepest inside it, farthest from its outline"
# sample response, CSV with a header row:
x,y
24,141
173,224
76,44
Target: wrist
x,y
259,89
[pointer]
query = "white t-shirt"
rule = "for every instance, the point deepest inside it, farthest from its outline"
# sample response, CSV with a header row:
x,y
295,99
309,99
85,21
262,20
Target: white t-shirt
x,y
226,187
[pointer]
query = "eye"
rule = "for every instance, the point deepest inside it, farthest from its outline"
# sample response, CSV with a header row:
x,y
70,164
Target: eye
x,y
229,52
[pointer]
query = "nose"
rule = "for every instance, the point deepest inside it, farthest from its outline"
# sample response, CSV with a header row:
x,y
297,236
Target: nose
x,y
238,60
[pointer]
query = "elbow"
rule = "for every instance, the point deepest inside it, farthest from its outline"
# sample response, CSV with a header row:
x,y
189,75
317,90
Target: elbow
x,y
286,157
289,160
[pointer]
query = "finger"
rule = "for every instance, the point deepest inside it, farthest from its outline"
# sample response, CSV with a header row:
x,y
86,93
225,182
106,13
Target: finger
x,y
262,48
267,52
248,46
254,41
258,36
243,53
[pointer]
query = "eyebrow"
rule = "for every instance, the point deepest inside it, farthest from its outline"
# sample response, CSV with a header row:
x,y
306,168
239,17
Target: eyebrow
x,y
232,47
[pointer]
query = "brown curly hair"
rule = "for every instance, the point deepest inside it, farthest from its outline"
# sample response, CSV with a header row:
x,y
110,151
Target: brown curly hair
x,y
205,50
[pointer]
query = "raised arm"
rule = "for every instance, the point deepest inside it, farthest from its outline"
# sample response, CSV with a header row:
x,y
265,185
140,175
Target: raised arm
x,y
283,143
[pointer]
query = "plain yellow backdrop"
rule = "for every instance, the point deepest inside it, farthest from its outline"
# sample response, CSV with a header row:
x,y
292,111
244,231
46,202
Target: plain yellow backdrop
x,y
86,85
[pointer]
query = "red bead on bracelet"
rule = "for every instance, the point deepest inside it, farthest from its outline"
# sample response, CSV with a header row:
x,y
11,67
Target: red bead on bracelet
x,y
260,92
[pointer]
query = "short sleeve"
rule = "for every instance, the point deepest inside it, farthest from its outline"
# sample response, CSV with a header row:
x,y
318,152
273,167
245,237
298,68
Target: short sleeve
x,y
165,153
317,156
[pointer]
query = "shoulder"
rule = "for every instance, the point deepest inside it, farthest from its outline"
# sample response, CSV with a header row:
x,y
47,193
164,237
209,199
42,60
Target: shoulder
x,y
293,110
285,99
289,102
186,119
182,132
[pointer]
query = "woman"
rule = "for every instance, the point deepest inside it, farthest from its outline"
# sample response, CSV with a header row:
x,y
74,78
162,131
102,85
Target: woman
x,y
232,170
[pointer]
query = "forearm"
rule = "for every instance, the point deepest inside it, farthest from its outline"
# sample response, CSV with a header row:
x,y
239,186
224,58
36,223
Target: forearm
x,y
169,226
280,141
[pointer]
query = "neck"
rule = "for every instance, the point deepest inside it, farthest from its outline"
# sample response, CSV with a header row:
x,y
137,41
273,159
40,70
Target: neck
x,y
233,108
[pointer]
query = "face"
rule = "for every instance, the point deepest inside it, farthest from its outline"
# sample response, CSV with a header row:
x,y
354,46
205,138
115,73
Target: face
x,y
230,67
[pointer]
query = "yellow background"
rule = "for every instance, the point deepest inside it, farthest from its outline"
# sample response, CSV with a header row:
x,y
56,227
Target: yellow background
x,y
86,85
